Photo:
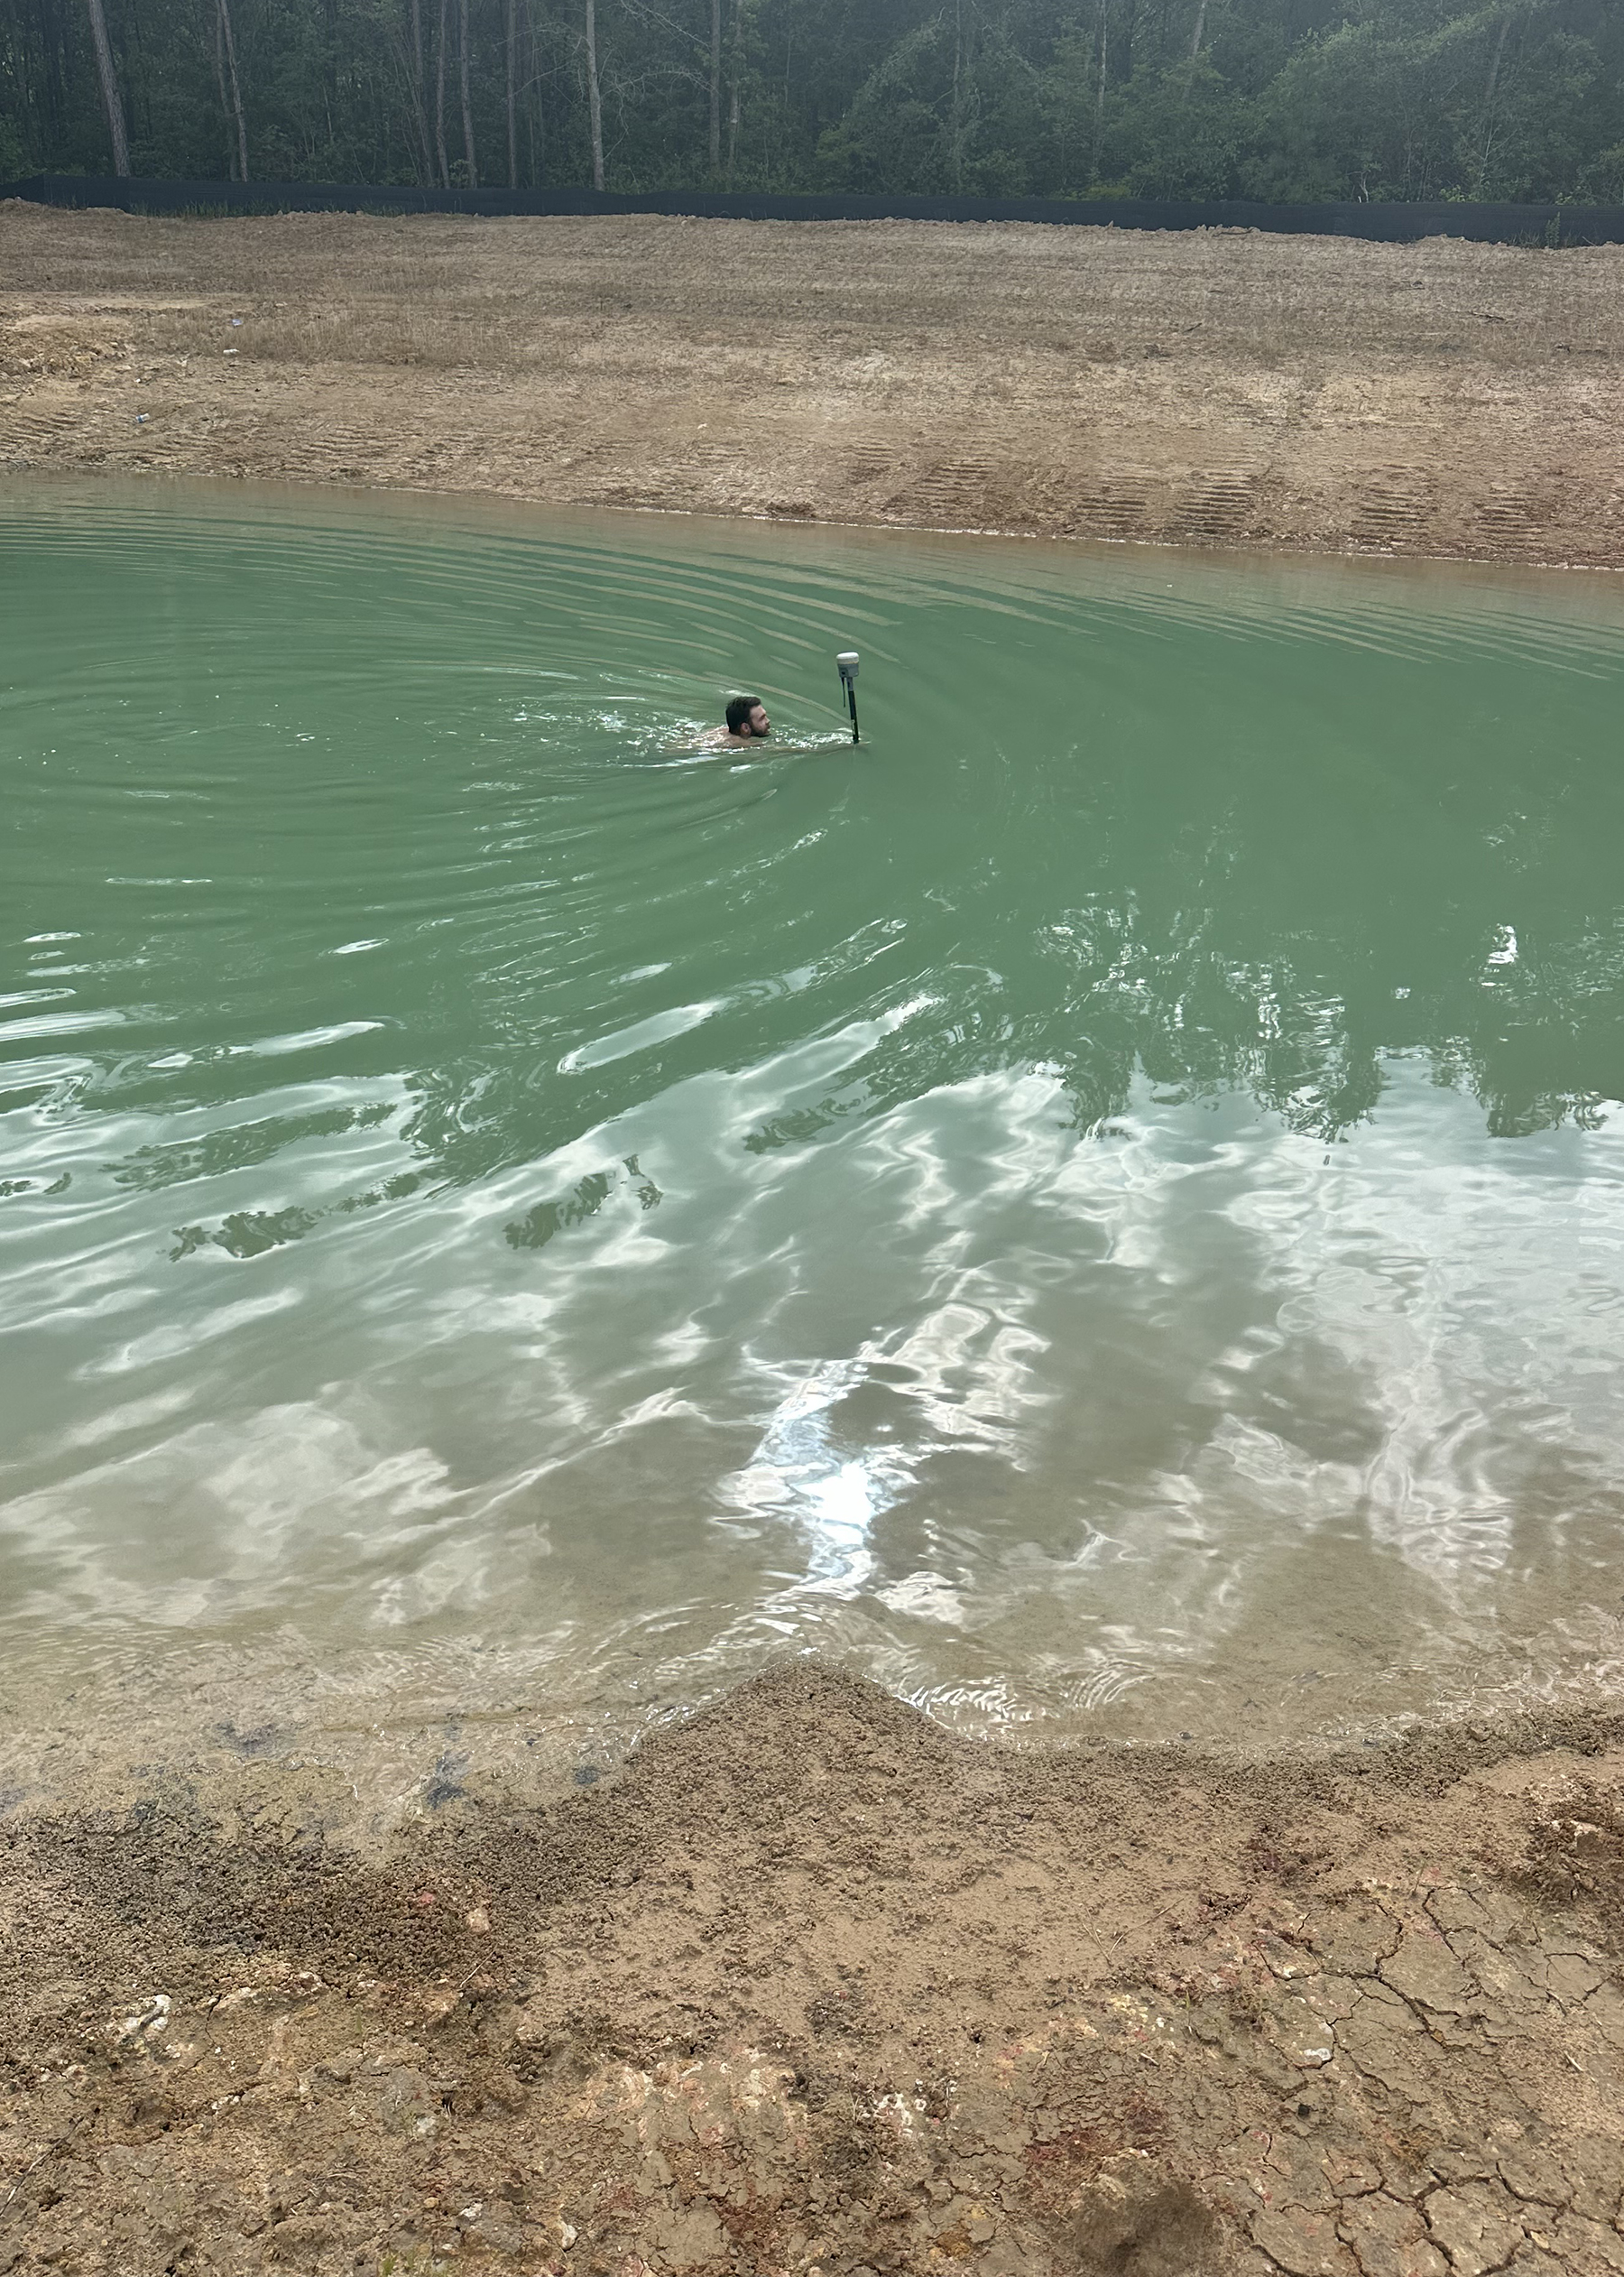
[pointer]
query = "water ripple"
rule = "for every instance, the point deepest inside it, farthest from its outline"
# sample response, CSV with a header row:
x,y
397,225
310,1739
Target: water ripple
x,y
1105,1200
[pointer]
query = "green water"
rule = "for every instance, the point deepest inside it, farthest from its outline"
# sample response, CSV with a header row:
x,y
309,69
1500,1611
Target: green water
x,y
1105,1202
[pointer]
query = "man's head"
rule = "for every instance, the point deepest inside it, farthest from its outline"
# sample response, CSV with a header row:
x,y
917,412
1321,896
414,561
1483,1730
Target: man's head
x,y
746,716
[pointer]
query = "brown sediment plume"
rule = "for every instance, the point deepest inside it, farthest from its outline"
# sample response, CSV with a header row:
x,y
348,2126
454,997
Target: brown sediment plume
x,y
1208,388
812,1984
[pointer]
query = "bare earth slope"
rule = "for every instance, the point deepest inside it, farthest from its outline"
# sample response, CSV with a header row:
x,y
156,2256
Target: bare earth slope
x,y
811,1985
1221,387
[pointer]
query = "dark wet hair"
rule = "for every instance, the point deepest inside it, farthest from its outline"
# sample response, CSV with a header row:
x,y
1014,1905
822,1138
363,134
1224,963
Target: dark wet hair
x,y
738,713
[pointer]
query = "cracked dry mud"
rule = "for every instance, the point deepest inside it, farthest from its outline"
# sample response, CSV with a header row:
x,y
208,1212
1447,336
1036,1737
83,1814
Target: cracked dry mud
x,y
812,1985
1209,388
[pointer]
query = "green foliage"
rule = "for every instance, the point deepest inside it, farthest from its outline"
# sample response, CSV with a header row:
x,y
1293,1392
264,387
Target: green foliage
x,y
1181,134
1289,99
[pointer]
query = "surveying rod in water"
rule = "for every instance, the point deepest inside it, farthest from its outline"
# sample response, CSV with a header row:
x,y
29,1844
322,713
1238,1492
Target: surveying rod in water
x,y
846,663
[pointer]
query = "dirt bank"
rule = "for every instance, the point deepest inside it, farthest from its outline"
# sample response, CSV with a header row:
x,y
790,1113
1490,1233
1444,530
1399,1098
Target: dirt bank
x,y
1217,388
811,1985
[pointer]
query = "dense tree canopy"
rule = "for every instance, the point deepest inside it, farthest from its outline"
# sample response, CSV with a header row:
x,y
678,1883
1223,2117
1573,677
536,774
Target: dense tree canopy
x,y
1517,100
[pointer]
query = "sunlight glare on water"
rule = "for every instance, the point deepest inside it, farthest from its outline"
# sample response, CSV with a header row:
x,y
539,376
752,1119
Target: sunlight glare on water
x,y
1105,1202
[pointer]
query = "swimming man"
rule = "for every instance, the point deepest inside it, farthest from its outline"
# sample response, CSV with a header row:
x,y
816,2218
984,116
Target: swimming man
x,y
747,721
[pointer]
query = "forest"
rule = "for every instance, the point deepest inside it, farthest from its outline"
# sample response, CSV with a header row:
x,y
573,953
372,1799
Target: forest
x,y
1273,100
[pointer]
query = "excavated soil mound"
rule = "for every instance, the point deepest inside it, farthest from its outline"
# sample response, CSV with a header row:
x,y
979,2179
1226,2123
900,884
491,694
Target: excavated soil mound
x,y
1215,387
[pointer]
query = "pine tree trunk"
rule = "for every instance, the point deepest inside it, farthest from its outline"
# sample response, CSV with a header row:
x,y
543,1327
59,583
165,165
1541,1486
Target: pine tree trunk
x,y
1494,71
220,87
237,92
512,80
439,98
595,100
467,109
1200,28
716,86
732,106
535,121
424,156
112,102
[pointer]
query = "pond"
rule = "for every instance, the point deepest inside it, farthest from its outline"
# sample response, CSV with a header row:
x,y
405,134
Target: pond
x,y
1100,1207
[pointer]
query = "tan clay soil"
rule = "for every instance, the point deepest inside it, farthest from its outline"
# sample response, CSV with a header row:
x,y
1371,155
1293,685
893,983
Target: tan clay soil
x,y
810,1983
1214,388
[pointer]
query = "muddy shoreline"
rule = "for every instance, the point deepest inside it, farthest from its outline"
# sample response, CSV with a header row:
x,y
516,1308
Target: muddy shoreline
x,y
810,1983
1219,388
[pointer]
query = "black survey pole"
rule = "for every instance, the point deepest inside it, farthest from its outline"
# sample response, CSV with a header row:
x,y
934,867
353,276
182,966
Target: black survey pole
x,y
846,665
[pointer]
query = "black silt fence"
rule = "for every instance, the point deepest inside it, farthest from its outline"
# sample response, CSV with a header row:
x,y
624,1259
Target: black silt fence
x,y
1394,223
